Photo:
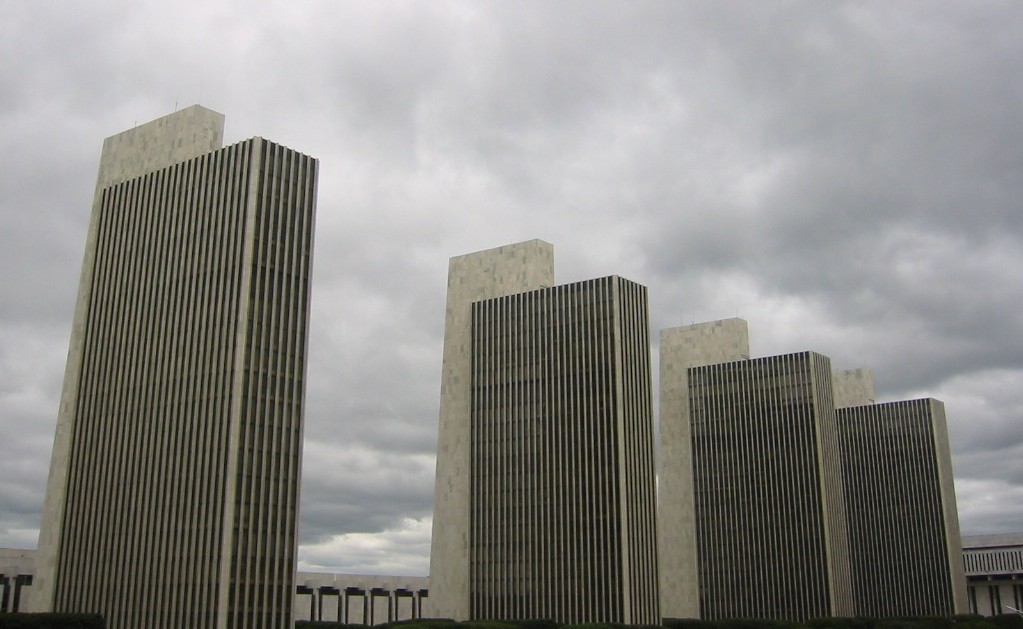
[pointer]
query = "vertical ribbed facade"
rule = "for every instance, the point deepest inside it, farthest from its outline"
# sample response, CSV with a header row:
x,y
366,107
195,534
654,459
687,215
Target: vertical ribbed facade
x,y
769,506
487,274
562,502
182,463
903,529
994,572
681,348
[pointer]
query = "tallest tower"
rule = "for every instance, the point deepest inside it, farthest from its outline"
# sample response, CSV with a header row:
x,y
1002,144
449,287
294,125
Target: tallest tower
x,y
173,488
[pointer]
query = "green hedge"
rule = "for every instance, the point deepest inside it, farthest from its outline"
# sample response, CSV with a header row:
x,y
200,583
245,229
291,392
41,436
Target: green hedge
x,y
51,621
423,623
1007,621
963,621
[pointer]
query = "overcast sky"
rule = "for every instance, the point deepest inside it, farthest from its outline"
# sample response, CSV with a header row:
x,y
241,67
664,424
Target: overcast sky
x,y
846,176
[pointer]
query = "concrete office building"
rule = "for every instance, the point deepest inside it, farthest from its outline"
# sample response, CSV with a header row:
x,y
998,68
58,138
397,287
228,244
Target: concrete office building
x,y
174,481
994,573
504,271
545,474
790,508
751,509
904,539
769,505
681,348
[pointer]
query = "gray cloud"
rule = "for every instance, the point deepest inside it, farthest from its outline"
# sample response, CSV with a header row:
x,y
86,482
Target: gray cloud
x,y
843,175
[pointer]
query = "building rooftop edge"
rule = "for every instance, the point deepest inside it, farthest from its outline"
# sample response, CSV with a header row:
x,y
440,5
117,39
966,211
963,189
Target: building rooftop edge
x,y
156,121
505,246
992,540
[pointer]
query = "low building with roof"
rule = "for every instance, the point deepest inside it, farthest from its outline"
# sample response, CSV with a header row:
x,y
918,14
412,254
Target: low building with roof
x,y
994,573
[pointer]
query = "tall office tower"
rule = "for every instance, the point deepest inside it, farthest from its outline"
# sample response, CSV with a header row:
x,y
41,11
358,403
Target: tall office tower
x,y
769,506
681,348
174,481
547,405
904,542
474,277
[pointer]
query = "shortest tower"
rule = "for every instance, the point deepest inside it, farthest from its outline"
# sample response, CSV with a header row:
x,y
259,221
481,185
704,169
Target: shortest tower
x,y
787,493
903,524
770,512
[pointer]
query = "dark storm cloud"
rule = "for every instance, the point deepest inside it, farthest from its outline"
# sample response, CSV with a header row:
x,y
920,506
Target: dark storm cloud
x,y
843,175
355,489
887,143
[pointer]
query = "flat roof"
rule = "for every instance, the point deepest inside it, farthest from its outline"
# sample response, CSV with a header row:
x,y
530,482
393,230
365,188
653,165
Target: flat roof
x,y
992,541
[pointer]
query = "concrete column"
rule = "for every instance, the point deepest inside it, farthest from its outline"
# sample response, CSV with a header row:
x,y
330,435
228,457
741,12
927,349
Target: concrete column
x,y
373,594
305,589
424,593
325,591
20,581
399,594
